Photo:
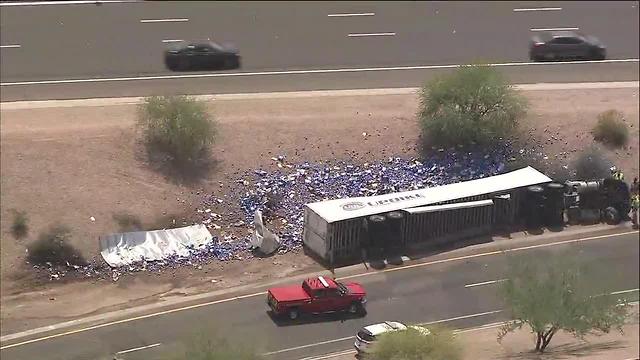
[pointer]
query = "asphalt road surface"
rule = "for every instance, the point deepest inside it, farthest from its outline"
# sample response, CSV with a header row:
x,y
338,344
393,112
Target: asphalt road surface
x,y
123,42
414,295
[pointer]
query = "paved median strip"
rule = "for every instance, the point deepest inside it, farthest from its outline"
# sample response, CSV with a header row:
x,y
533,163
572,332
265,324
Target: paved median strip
x,y
38,104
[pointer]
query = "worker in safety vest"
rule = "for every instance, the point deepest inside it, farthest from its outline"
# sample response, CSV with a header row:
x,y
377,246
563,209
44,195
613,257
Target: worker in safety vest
x,y
617,174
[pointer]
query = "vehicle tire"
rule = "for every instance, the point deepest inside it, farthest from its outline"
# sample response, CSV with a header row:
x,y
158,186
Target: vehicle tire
x,y
230,63
612,216
172,66
355,308
596,55
293,314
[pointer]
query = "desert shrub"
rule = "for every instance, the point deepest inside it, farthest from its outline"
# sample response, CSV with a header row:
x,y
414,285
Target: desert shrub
x,y
611,129
592,164
179,126
52,246
127,222
474,104
207,347
412,344
19,226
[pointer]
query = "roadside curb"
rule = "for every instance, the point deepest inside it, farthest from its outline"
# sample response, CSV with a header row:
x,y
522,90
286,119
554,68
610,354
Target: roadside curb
x,y
493,248
40,104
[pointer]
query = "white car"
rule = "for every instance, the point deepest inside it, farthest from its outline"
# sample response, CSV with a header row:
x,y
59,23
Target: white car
x,y
368,334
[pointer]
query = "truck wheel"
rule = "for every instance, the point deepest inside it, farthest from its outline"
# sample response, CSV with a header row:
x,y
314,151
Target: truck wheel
x,y
612,216
294,314
355,308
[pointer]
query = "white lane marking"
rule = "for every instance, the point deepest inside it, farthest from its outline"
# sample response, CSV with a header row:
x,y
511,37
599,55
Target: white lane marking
x,y
372,34
145,21
556,29
481,327
353,14
538,9
624,291
462,317
329,356
300,72
308,345
40,104
138,348
9,46
484,283
171,40
76,2
195,306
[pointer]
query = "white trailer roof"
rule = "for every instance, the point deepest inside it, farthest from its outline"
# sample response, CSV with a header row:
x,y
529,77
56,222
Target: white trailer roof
x,y
447,207
349,208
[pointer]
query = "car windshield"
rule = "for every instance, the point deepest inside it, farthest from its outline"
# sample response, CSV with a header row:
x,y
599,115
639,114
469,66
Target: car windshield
x,y
366,336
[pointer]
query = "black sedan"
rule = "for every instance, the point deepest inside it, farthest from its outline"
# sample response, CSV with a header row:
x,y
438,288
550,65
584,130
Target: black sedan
x,y
206,55
566,45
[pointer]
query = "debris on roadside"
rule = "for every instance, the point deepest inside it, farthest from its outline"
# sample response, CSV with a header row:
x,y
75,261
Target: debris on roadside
x,y
281,191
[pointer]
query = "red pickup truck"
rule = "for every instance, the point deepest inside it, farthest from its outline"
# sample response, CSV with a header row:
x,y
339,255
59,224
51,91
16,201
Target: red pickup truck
x,y
315,296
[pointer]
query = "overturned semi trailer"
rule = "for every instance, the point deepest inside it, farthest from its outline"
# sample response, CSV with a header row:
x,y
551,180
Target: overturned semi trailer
x,y
337,230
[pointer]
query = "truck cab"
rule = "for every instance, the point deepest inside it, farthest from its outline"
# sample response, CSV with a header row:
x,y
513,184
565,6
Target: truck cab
x,y
317,295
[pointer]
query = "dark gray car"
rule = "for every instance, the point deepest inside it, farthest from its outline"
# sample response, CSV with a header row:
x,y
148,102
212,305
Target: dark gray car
x,y
202,55
566,45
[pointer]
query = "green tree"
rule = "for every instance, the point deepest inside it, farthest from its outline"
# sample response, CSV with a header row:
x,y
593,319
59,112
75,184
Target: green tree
x,y
553,293
180,126
412,344
474,104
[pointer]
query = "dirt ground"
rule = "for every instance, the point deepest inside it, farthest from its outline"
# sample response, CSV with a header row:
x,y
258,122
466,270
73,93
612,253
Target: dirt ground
x,y
67,165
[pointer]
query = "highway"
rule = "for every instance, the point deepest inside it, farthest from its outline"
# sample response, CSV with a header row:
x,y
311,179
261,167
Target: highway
x,y
84,50
462,289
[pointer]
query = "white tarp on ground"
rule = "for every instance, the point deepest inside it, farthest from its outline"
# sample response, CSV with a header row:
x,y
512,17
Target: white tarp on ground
x,y
262,238
350,208
128,248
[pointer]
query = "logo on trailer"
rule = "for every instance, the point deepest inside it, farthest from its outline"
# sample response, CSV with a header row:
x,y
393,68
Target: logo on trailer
x,y
353,206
